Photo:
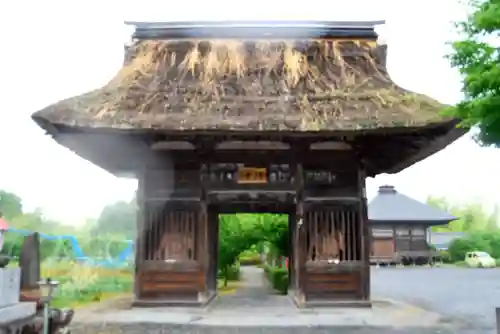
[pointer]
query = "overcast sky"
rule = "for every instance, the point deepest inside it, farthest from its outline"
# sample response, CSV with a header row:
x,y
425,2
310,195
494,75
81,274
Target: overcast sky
x,y
54,49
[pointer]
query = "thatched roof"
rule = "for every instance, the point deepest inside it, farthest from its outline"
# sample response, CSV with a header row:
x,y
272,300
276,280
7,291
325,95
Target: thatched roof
x,y
310,85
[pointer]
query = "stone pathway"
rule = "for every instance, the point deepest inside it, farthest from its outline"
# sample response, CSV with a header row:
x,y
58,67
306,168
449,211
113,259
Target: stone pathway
x,y
254,295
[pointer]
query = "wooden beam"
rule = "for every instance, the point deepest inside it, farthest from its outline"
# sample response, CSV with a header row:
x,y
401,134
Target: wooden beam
x,y
331,146
435,145
172,146
252,145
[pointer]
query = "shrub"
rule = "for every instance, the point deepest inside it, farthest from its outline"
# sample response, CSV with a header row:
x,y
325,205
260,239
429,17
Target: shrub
x,y
479,241
252,260
232,274
48,247
278,277
445,256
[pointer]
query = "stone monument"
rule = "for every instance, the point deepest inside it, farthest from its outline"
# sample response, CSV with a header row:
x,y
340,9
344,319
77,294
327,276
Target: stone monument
x,y
13,313
29,260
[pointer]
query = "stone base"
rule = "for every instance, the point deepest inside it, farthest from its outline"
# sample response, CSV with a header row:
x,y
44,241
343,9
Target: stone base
x,y
202,302
300,301
382,314
17,313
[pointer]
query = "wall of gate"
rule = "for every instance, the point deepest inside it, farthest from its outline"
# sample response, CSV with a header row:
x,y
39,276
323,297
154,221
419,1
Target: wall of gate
x,y
172,245
334,257
177,247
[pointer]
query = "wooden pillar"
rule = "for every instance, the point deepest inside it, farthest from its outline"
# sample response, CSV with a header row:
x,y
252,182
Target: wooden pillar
x,y
366,234
202,250
291,234
139,238
299,257
213,224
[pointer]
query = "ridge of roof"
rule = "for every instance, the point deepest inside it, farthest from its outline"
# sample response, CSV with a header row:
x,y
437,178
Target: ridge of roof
x,y
390,205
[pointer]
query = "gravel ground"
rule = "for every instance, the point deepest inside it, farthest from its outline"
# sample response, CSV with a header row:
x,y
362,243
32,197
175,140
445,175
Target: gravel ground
x,y
157,329
466,296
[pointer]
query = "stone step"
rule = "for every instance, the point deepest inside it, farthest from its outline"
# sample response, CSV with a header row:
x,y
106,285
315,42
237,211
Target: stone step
x,y
150,328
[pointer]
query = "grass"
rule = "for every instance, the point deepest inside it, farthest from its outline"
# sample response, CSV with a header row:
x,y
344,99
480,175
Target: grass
x,y
231,287
81,284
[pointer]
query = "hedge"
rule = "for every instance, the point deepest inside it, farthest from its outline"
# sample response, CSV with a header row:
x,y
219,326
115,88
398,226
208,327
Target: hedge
x,y
251,260
278,277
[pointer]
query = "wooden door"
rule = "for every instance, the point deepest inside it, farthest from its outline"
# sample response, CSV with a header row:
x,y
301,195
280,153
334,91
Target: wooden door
x,y
383,248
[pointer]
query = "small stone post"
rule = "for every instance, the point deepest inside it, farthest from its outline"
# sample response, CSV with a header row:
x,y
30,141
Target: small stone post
x,y
497,317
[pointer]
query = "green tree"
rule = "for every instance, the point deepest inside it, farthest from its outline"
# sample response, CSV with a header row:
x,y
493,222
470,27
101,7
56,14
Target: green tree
x,y
117,218
10,204
492,223
275,232
237,233
478,61
471,217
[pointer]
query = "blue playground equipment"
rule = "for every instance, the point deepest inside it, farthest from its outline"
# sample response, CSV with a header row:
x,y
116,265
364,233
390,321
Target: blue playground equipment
x,y
121,260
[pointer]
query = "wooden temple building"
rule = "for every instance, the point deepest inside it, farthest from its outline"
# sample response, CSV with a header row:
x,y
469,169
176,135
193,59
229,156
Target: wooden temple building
x,y
400,226
231,117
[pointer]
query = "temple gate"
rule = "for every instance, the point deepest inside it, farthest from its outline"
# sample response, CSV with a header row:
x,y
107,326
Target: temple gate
x,y
263,118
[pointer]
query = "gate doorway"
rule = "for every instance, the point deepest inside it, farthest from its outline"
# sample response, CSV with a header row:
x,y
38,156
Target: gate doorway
x,y
252,249
239,227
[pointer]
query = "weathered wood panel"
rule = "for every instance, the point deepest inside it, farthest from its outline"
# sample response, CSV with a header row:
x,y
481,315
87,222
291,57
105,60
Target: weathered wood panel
x,y
172,259
179,181
333,282
334,257
171,284
329,183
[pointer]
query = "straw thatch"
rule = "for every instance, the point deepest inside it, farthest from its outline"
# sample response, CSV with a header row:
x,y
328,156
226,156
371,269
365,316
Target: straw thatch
x,y
251,85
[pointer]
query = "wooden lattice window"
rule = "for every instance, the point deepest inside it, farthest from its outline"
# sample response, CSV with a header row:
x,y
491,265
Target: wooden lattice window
x,y
418,231
333,235
170,235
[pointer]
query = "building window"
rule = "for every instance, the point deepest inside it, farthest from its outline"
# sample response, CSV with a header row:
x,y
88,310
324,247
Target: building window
x,y
402,231
418,231
382,232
